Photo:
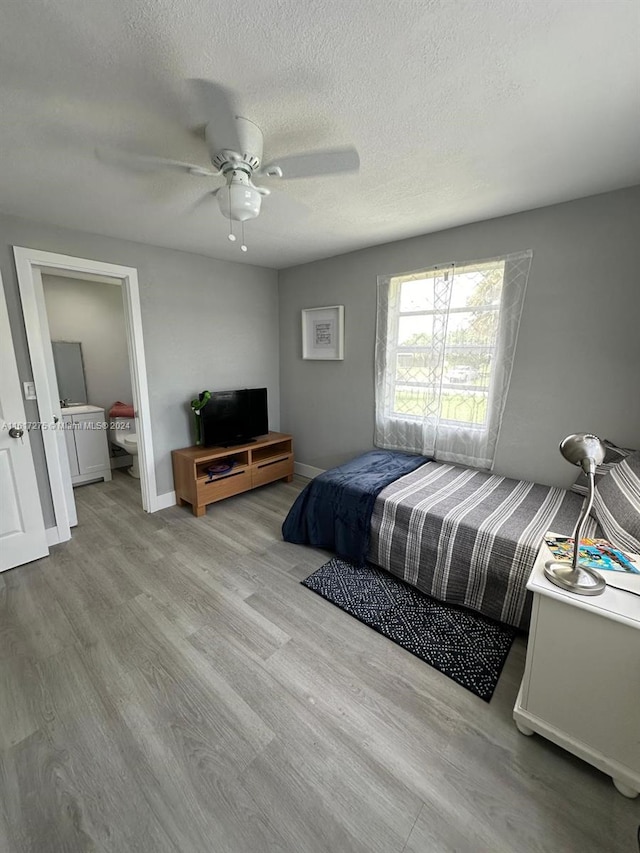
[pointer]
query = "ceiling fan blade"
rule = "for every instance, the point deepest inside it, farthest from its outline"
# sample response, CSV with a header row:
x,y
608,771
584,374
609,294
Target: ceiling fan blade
x,y
328,162
149,163
216,107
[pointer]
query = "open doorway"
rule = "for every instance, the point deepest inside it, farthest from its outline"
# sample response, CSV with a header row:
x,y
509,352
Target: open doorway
x,y
89,342
39,273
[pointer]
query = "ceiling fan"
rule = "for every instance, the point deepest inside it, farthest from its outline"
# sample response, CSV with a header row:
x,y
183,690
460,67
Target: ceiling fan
x,y
235,147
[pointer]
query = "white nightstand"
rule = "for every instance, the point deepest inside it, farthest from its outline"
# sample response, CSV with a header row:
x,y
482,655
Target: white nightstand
x,y
581,684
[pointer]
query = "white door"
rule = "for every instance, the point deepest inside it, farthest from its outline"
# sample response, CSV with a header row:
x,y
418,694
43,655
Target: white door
x,y
22,534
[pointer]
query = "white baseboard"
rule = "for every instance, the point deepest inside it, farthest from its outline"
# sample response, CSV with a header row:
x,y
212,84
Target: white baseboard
x,y
307,470
163,501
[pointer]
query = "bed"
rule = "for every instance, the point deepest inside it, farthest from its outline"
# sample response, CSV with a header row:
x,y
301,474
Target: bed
x,y
461,535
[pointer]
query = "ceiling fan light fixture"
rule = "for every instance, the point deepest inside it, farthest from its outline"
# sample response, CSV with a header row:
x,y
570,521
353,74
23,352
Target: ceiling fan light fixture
x,y
241,201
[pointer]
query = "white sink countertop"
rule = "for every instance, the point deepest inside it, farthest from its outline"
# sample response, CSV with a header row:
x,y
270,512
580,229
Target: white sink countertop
x,y
83,409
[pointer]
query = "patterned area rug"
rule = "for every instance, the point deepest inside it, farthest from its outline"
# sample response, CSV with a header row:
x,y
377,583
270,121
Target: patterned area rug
x,y
466,646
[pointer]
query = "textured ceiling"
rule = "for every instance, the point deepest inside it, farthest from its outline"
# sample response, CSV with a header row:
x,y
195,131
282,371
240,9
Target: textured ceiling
x,y
461,110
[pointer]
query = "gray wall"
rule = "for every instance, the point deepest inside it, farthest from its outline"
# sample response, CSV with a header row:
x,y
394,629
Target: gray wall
x,y
207,324
577,364
93,314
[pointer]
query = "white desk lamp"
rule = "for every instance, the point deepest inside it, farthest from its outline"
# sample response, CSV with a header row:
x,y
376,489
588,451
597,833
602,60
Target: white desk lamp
x,y
587,451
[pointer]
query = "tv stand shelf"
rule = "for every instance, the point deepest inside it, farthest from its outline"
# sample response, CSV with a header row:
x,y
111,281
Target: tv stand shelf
x,y
265,460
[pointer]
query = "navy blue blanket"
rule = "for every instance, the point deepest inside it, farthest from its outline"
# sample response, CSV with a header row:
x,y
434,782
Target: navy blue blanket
x,y
334,510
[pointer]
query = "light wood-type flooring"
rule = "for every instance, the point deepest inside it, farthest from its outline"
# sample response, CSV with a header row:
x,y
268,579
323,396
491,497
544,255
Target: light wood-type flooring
x,y
168,686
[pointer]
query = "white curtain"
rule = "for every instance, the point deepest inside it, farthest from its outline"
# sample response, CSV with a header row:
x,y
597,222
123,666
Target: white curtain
x,y
445,345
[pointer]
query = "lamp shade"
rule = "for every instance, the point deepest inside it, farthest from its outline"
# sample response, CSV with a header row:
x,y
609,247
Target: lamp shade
x,y
583,449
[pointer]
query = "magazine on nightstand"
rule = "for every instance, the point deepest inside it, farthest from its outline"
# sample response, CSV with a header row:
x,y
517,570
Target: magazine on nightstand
x,y
594,553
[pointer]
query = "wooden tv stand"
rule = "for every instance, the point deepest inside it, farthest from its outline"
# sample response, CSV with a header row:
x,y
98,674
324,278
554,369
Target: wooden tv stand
x,y
265,460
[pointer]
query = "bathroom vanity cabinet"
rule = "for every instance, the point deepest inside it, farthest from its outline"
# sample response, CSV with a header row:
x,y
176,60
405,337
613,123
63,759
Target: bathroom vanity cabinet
x,y
87,442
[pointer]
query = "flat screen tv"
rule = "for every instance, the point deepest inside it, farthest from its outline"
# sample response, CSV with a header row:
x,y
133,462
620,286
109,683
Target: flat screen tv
x,y
234,417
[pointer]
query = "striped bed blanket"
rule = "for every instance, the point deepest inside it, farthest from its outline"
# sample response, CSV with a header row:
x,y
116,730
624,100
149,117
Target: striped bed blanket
x,y
468,537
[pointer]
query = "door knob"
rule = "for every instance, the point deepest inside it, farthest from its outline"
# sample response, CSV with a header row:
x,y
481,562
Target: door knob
x,y
14,432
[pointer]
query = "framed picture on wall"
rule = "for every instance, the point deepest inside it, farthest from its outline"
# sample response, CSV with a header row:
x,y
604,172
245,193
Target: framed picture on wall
x,y
323,333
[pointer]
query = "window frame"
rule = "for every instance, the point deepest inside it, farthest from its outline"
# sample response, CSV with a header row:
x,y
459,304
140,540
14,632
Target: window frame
x,y
399,349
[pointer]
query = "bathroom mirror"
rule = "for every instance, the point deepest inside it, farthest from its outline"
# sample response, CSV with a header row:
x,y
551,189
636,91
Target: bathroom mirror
x,y
67,357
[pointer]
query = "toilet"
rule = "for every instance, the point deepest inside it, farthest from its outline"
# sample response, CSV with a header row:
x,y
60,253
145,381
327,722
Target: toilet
x,y
122,433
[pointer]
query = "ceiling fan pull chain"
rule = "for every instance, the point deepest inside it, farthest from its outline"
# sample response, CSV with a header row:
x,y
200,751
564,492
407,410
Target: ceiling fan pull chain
x,y
243,246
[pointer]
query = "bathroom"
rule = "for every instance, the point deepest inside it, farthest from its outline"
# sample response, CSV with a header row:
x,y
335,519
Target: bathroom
x,y
89,342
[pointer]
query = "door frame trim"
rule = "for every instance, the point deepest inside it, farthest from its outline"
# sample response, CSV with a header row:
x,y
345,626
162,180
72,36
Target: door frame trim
x,y
30,264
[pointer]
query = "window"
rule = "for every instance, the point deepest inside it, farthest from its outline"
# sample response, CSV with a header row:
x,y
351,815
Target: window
x,y
445,346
